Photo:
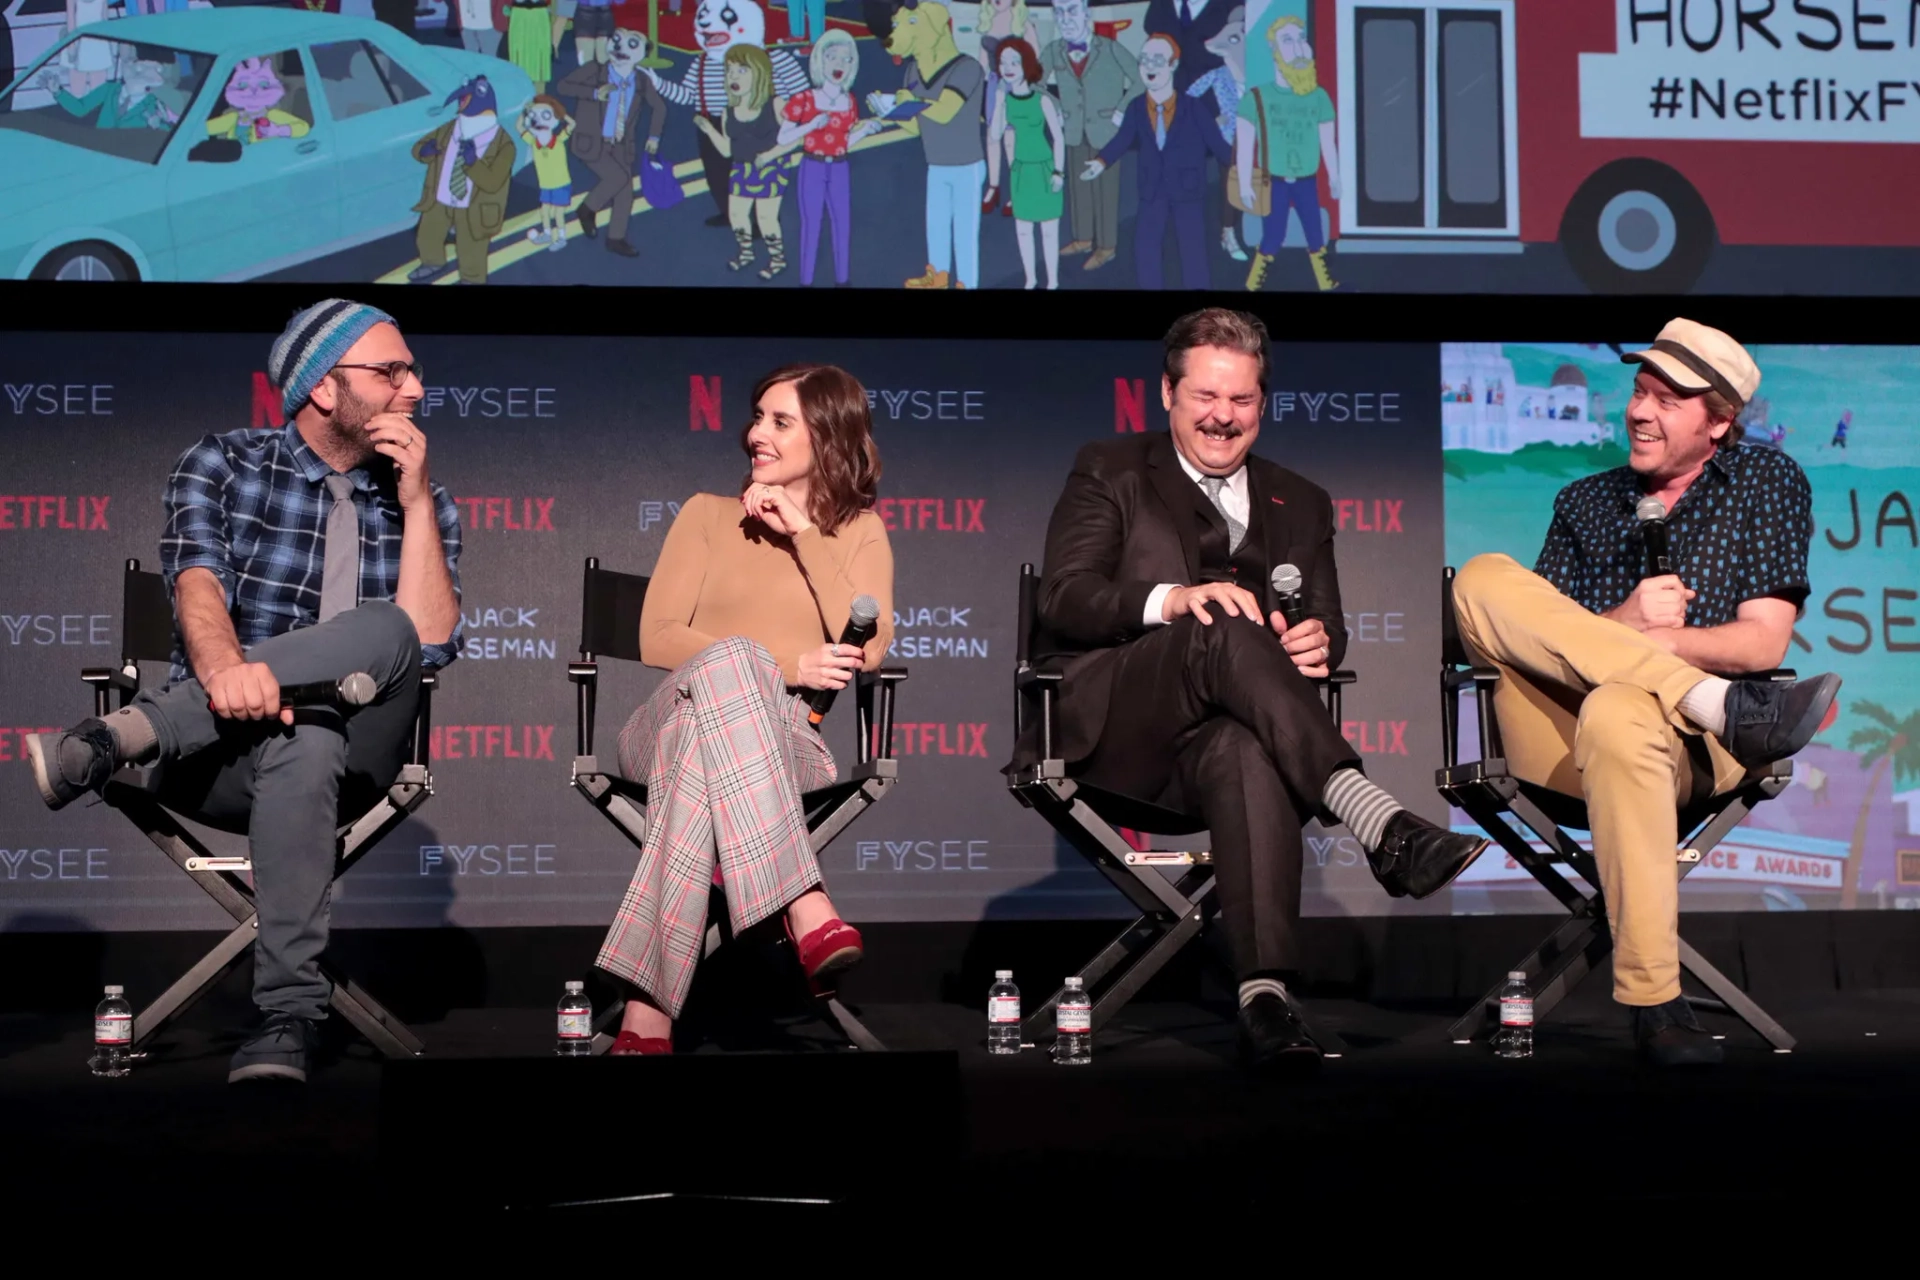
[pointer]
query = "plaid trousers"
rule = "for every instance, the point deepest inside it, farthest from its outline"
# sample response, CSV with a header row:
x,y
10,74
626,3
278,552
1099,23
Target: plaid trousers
x,y
725,753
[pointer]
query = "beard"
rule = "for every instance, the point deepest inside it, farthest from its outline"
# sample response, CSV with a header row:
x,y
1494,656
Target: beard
x,y
1303,79
346,426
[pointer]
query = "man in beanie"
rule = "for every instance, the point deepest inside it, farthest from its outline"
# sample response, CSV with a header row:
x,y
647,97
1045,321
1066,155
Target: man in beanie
x,y
298,555
1613,667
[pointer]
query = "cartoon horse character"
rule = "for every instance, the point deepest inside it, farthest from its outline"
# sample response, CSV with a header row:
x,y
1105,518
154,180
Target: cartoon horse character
x,y
469,163
255,92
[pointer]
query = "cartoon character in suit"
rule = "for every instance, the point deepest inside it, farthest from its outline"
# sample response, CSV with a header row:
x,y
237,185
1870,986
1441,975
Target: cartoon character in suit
x,y
612,95
1172,137
469,163
1095,79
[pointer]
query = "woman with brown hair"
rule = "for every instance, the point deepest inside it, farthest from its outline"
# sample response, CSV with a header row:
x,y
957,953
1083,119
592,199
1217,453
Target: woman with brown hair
x,y
743,609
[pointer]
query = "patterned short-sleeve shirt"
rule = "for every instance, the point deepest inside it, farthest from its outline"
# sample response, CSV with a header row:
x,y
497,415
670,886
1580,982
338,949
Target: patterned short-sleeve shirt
x,y
1741,532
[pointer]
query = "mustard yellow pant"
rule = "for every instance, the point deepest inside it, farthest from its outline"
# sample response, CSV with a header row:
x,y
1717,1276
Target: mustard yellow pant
x,y
1591,708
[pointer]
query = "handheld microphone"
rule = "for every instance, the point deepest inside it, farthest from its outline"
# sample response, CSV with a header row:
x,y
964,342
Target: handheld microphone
x,y
1286,588
1653,532
862,619
347,693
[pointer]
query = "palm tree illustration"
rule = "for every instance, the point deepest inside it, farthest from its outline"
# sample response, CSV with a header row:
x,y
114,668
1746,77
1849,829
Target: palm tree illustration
x,y
1890,742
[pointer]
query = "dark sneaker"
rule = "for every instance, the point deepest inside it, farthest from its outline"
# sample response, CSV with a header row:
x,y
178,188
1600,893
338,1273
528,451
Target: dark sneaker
x,y
1417,859
1768,721
70,765
277,1051
1668,1035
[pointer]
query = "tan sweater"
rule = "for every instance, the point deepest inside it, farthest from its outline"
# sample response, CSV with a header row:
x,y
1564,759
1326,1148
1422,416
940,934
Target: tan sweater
x,y
715,580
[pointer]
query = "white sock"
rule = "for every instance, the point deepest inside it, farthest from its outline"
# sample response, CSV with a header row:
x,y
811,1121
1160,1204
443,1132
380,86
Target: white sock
x,y
1706,704
1364,808
1261,987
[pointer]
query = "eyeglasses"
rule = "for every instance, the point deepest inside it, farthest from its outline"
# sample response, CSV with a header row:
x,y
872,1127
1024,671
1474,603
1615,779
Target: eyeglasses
x,y
1156,62
396,371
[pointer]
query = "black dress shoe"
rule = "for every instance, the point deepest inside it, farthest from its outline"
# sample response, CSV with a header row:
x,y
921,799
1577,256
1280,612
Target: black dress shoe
x,y
1768,721
622,248
718,220
1668,1035
589,222
1417,859
1273,1040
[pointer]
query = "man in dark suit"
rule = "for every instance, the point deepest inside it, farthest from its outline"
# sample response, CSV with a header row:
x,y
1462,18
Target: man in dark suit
x,y
610,96
1172,135
1183,685
1192,23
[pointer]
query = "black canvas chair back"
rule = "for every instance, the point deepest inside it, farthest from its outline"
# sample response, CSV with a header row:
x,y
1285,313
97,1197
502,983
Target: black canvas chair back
x,y
1511,811
610,606
147,636
1173,911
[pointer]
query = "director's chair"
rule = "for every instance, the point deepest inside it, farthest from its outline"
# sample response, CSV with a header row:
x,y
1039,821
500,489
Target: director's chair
x,y
1174,908
610,628
147,636
1493,798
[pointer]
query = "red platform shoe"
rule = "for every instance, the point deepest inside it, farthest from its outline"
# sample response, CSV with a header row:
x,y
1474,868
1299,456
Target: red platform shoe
x,y
827,952
629,1045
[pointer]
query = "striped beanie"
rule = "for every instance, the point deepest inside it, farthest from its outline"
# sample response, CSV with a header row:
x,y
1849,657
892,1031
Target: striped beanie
x,y
314,341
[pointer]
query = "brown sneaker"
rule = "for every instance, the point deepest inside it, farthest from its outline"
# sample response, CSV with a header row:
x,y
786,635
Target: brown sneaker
x,y
931,280
1099,260
1075,249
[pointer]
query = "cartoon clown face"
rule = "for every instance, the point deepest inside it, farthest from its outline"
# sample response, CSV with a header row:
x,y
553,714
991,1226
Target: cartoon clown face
x,y
721,24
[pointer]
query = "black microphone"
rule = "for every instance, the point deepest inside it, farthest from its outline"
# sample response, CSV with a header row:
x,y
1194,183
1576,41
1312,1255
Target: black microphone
x,y
347,693
1653,532
862,618
1286,588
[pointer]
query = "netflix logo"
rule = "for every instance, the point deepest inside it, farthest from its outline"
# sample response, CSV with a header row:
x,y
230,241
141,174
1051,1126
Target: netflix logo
x,y
1368,515
490,742
703,403
1376,737
518,515
930,738
54,511
13,744
943,515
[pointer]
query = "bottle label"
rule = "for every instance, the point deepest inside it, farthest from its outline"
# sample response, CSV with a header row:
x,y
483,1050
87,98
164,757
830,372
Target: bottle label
x,y
1002,1009
1516,1011
113,1028
576,1026
1074,1021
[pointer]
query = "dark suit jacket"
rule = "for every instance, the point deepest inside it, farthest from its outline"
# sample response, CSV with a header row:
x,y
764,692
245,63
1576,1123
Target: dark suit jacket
x,y
1179,172
589,113
1163,18
1124,525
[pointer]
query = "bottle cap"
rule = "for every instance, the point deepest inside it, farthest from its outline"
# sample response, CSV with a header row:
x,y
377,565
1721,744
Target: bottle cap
x,y
116,991
1516,975
1073,984
574,987
1003,975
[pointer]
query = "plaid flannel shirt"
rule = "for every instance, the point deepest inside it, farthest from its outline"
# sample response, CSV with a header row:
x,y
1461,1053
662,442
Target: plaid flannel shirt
x,y
251,507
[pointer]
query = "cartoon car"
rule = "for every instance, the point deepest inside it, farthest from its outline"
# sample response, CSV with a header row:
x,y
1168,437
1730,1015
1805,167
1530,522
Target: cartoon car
x,y
223,143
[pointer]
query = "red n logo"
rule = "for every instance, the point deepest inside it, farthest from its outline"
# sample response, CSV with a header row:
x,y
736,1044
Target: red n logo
x,y
703,402
1129,405
266,403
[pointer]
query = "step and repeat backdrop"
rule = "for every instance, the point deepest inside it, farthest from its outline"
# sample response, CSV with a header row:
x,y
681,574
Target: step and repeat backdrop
x,y
559,449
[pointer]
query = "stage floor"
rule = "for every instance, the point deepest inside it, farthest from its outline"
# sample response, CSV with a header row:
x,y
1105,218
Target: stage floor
x,y
1162,1111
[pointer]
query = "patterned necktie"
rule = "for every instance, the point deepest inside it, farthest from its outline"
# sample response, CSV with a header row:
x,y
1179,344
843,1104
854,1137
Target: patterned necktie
x,y
457,176
1236,532
340,578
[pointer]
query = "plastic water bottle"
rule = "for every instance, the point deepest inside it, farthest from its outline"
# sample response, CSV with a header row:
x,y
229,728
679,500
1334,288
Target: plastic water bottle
x,y
112,1034
1515,1037
1003,1014
1073,1022
575,1037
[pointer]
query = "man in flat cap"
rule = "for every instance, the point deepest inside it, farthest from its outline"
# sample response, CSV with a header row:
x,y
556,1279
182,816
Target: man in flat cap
x,y
295,556
1620,681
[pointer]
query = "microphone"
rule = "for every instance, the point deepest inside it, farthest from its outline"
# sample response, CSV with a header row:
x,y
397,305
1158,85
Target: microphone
x,y
1286,587
1653,532
347,693
862,618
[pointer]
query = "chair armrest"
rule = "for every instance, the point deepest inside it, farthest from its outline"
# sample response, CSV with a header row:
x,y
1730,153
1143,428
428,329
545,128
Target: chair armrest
x,y
423,719
1029,678
586,678
1330,686
1342,676
110,678
873,722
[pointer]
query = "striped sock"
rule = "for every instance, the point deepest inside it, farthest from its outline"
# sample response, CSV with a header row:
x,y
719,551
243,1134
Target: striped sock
x,y
1261,987
1365,808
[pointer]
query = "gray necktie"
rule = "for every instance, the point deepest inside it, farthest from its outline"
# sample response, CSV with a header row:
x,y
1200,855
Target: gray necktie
x,y
1236,532
340,578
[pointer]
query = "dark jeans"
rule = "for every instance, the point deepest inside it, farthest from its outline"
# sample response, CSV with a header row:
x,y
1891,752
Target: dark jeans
x,y
1302,195
1217,721
289,788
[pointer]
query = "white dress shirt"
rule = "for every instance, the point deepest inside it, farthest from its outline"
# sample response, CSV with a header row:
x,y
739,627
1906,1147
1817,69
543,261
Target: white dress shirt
x,y
1233,497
